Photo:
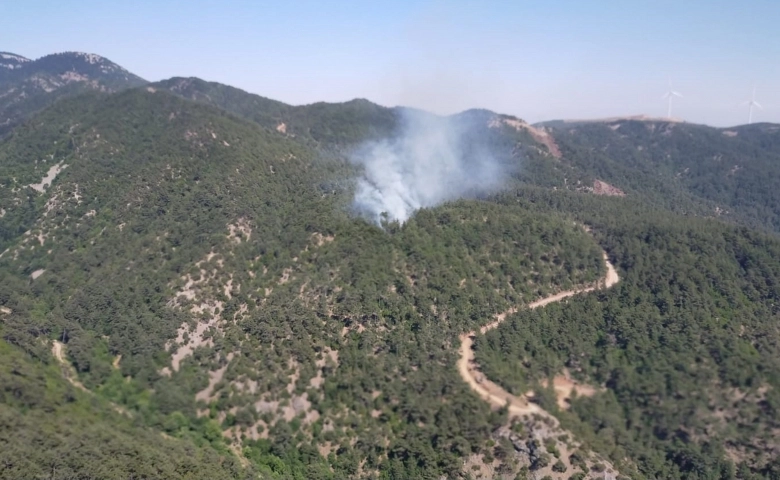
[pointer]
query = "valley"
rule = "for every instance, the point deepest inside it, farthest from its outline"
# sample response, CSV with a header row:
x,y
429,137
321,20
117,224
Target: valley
x,y
192,286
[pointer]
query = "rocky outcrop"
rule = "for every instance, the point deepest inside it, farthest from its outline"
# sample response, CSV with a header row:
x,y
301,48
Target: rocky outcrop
x,y
603,188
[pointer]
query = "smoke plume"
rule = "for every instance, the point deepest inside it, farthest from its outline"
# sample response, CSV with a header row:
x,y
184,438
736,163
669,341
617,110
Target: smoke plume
x,y
432,160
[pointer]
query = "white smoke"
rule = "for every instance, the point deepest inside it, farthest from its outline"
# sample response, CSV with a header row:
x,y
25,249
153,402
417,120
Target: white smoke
x,y
431,161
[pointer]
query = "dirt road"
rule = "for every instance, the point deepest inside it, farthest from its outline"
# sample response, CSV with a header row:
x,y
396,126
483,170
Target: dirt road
x,y
490,391
58,350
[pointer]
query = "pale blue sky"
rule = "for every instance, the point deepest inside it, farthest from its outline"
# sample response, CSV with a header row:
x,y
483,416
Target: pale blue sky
x,y
539,60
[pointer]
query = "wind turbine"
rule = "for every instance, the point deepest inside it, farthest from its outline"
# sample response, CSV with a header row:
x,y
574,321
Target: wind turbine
x,y
670,95
751,103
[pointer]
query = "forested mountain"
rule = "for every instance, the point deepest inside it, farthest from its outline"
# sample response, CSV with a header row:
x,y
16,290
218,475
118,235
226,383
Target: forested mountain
x,y
27,86
322,123
732,173
682,352
187,291
727,173
213,263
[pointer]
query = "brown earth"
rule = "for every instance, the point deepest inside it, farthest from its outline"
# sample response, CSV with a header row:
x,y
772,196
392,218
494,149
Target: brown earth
x,y
603,188
566,387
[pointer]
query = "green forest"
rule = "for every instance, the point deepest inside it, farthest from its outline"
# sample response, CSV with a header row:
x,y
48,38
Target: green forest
x,y
193,297
391,303
689,169
683,350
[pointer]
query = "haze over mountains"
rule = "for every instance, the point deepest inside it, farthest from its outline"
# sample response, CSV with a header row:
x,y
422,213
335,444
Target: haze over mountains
x,y
199,282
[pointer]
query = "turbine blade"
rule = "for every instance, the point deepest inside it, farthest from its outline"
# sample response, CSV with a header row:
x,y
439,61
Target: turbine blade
x,y
677,94
757,104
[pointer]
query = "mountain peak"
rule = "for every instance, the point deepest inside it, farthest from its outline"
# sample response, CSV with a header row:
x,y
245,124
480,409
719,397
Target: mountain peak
x,y
27,85
89,62
12,61
91,58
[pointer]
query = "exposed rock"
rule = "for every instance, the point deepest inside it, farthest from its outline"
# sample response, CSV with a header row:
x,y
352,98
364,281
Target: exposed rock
x,y
540,134
603,188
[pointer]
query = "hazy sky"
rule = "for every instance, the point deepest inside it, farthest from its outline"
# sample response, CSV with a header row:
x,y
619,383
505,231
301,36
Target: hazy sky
x,y
539,60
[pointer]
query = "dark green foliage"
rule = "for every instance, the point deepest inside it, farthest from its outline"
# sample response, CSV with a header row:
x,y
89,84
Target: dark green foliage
x,y
152,186
691,169
686,346
156,186
541,461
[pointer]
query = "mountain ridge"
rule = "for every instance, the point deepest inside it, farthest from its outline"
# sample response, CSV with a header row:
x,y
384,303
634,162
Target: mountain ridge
x,y
29,86
639,118
12,61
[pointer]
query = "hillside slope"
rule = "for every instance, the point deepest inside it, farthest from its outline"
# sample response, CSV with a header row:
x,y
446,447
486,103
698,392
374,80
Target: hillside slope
x,y
676,366
731,173
202,269
321,123
196,253
53,429
339,129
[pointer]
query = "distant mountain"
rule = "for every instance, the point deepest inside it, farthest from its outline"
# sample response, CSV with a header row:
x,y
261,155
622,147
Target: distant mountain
x,y
731,173
340,127
322,123
27,86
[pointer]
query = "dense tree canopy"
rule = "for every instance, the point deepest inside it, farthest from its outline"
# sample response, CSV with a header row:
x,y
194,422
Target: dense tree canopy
x,y
229,317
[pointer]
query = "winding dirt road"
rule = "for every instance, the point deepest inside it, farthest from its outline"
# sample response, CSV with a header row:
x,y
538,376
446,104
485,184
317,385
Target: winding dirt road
x,y
58,350
490,391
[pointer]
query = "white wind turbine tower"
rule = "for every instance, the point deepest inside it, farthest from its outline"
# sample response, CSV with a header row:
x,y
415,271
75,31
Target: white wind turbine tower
x,y
752,103
670,95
